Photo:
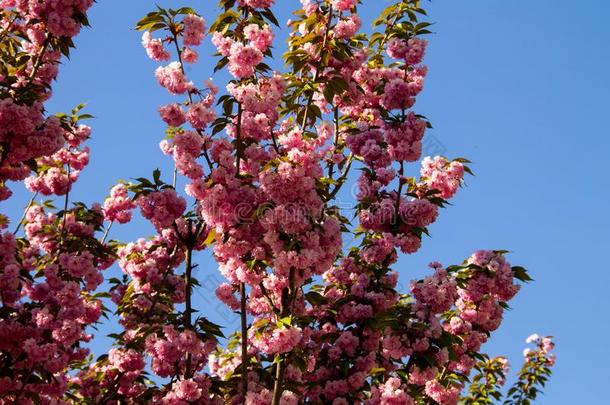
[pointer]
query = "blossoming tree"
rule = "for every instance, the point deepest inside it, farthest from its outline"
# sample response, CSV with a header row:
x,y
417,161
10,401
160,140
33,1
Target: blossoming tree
x,y
264,162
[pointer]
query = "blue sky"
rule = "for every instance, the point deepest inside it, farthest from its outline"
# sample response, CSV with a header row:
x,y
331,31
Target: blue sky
x,y
518,87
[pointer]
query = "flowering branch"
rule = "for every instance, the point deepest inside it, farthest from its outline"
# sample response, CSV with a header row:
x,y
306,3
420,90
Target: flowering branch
x,y
535,371
263,164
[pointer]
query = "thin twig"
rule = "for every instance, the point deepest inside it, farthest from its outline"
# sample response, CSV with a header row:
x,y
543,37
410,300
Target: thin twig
x,y
66,198
188,291
401,183
39,59
244,341
341,179
238,145
288,298
107,231
331,164
319,69
25,211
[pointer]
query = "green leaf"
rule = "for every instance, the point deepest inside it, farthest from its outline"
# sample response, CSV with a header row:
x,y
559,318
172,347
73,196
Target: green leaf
x,y
316,298
521,274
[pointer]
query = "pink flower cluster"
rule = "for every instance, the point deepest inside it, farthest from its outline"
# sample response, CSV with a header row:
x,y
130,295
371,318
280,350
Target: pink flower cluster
x,y
358,294
343,5
267,204
244,57
25,132
201,114
126,360
50,309
194,390
172,76
154,48
224,292
185,147
257,3
173,79
58,17
122,373
412,50
352,285
150,267
392,392
278,340
170,349
26,135
404,141
194,30
172,114
441,394
347,27
259,37
437,292
57,171
440,174
162,208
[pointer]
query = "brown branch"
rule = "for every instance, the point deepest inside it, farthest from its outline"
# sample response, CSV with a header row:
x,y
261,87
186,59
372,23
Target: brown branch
x,y
319,68
188,291
25,211
244,342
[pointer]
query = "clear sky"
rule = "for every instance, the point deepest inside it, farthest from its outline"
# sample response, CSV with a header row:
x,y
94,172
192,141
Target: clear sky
x,y
518,87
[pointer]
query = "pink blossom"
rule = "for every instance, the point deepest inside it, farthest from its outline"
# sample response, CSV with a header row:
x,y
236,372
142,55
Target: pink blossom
x,y
162,208
185,147
259,37
396,95
126,360
224,292
172,78
280,340
416,49
442,395
343,5
172,114
440,174
200,115
243,59
194,29
189,55
118,206
347,28
397,48
223,44
257,3
154,48
187,390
